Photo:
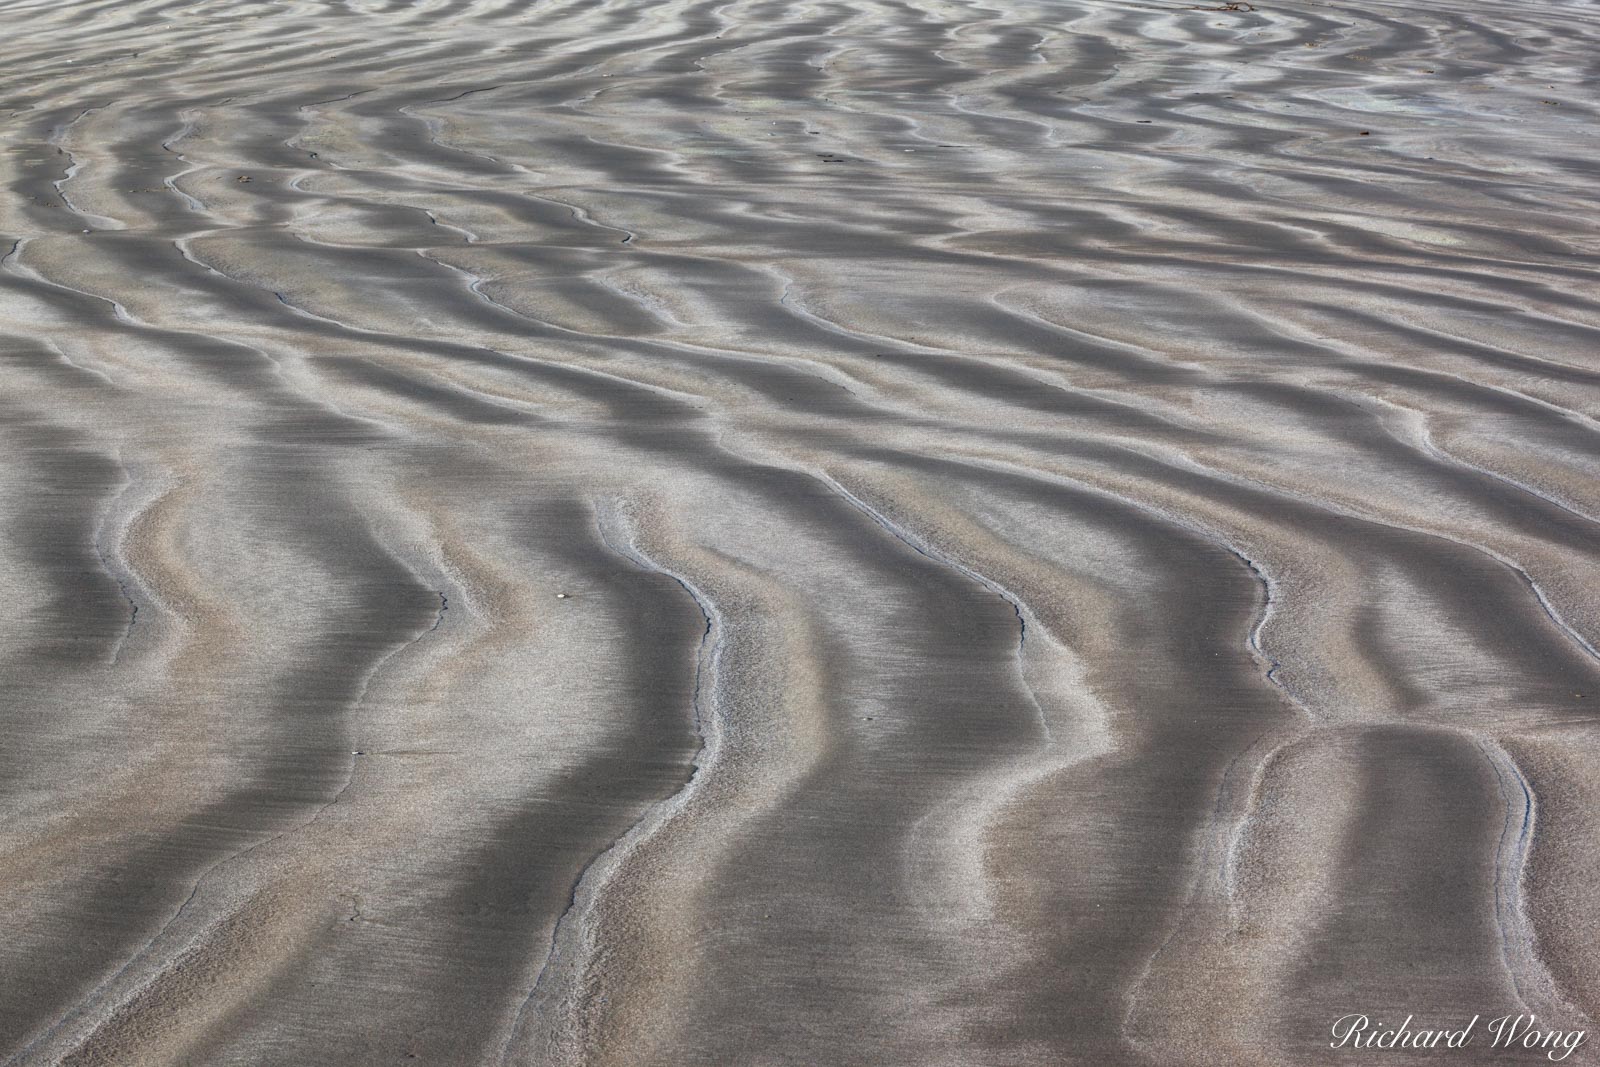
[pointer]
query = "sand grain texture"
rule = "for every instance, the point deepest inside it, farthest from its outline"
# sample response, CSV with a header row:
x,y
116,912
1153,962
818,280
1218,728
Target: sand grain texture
x,y
1078,525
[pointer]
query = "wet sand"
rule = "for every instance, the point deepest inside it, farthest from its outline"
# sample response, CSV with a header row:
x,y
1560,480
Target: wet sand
x,y
737,533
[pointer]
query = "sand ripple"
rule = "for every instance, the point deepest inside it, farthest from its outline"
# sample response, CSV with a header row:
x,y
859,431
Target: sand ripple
x,y
890,533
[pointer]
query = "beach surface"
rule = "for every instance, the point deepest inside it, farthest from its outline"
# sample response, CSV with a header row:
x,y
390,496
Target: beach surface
x,y
899,533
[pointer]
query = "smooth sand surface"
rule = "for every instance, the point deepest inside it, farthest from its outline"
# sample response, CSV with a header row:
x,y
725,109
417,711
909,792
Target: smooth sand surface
x,y
722,532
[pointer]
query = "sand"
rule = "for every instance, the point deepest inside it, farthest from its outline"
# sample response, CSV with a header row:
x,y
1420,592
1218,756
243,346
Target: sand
x,y
735,533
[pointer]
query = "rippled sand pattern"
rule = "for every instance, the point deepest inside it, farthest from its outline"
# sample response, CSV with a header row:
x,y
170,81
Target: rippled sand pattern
x,y
724,532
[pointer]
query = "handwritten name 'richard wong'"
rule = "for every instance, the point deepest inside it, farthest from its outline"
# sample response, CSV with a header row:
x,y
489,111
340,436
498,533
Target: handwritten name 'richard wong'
x,y
1506,1032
